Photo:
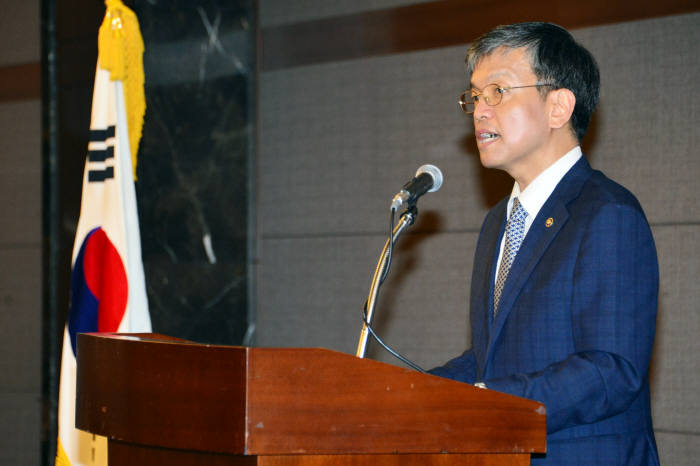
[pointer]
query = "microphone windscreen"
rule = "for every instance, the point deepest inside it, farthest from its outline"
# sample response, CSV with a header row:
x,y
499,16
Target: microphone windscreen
x,y
434,172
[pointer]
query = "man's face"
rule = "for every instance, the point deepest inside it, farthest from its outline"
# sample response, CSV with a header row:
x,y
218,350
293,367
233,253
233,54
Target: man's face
x,y
514,135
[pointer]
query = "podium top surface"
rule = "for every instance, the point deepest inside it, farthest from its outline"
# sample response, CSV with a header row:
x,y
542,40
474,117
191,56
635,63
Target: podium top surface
x,y
157,390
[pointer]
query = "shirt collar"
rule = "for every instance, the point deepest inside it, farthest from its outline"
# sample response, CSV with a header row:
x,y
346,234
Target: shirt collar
x,y
538,191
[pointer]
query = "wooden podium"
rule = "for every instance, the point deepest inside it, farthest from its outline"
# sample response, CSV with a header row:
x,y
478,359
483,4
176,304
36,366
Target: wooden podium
x,y
161,400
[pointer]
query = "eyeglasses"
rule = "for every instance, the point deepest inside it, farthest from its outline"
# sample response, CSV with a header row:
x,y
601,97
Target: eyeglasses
x,y
492,95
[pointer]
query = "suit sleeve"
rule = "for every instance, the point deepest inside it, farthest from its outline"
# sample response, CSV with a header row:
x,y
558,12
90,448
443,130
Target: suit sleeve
x,y
462,368
613,310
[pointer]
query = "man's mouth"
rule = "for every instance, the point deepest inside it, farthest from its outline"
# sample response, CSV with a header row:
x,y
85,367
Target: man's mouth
x,y
486,136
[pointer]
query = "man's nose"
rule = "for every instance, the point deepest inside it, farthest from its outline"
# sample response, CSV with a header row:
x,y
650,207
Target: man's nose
x,y
482,110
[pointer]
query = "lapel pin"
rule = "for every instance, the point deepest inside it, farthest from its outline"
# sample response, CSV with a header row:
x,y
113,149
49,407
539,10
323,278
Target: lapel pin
x,y
549,222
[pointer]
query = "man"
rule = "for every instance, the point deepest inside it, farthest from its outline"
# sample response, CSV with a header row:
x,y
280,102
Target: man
x,y
565,281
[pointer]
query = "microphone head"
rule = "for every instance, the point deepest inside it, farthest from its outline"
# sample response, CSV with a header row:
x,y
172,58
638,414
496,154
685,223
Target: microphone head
x,y
434,173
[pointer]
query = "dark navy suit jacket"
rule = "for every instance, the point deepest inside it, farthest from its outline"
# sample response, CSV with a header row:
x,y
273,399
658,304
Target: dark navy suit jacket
x,y
576,321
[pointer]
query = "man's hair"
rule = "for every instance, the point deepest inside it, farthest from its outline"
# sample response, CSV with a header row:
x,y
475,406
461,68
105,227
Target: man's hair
x,y
556,59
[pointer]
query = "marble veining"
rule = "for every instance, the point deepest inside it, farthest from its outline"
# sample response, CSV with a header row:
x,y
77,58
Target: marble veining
x,y
193,184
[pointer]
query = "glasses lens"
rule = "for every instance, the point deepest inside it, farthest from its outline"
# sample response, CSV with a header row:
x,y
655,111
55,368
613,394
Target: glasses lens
x,y
466,102
491,94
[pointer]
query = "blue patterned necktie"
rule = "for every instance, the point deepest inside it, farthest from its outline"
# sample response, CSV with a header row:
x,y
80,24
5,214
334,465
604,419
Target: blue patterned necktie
x,y
515,232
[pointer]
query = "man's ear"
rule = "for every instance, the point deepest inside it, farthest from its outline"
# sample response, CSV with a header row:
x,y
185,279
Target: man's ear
x,y
562,103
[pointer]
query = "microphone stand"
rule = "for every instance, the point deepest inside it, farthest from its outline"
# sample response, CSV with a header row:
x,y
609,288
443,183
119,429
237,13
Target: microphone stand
x,y
406,220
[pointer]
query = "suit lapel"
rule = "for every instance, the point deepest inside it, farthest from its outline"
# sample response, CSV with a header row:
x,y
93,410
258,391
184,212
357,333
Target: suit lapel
x,y
540,235
483,279
535,244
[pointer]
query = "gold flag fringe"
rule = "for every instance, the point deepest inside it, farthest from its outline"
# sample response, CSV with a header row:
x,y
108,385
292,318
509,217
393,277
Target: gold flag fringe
x,y
61,457
121,53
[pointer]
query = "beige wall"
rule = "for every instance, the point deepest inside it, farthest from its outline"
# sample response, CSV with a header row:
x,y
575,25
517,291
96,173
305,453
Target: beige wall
x,y
338,139
20,246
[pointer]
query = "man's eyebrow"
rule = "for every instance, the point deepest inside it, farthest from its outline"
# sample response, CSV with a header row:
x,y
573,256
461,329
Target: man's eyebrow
x,y
492,79
476,88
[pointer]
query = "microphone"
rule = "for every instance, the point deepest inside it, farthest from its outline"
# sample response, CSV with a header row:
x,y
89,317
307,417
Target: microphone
x,y
428,179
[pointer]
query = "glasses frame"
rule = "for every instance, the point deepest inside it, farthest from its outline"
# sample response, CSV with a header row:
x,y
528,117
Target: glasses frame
x,y
468,105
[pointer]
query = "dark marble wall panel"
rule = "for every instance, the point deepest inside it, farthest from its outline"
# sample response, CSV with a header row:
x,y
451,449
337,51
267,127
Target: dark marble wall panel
x,y
193,165
192,193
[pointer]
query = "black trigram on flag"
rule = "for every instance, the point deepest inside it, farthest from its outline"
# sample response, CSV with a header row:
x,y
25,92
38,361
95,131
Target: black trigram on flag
x,y
101,156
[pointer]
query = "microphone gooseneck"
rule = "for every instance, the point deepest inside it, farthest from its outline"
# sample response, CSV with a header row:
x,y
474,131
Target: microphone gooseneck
x,y
428,179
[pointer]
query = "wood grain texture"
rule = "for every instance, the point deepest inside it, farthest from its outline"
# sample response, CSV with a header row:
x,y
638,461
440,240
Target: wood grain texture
x,y
131,454
155,396
311,401
162,392
395,460
127,454
438,24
